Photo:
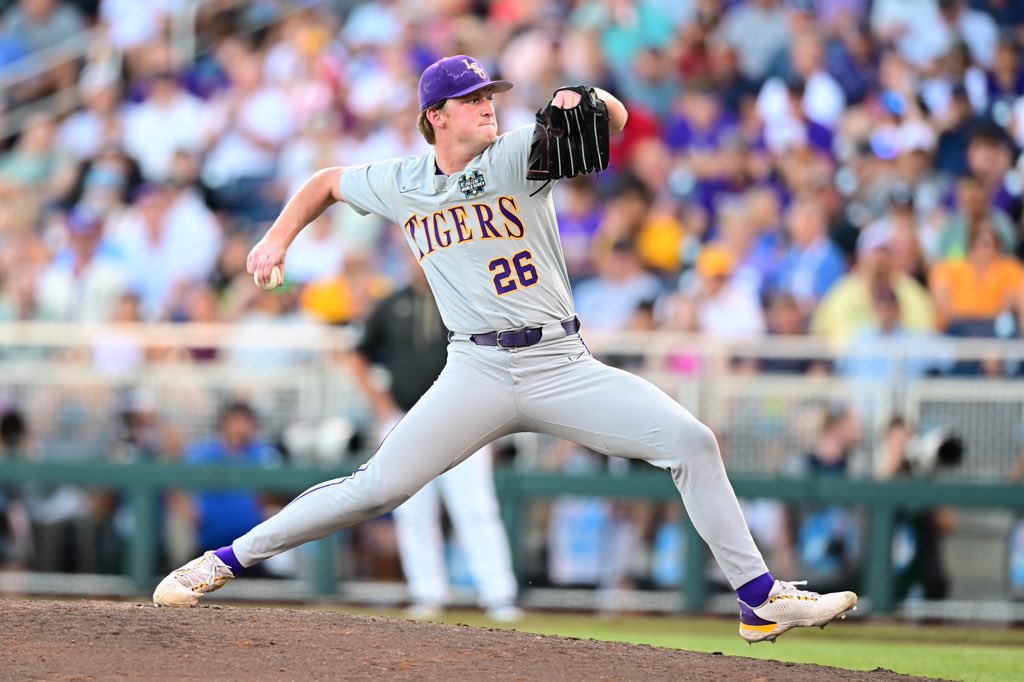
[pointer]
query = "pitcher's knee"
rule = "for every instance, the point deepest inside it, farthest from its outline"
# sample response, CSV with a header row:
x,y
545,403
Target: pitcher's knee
x,y
694,441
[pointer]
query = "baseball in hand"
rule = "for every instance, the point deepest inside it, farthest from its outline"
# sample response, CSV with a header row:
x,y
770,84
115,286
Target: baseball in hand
x,y
276,279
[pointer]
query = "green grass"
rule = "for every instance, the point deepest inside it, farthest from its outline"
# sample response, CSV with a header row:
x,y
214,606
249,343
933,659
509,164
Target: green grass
x,y
954,653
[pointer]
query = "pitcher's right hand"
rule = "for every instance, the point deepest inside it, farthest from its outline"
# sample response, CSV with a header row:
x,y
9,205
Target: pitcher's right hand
x,y
264,256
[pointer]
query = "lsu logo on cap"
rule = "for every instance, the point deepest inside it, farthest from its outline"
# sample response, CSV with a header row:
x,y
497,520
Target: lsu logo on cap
x,y
475,68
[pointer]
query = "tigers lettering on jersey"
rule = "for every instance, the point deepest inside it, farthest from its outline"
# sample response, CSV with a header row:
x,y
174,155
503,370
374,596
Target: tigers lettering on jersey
x,y
461,223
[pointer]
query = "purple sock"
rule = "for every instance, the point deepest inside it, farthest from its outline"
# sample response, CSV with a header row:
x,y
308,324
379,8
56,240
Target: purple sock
x,y
755,592
227,555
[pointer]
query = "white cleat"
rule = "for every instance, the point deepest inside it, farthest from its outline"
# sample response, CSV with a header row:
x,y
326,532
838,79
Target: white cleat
x,y
184,586
788,607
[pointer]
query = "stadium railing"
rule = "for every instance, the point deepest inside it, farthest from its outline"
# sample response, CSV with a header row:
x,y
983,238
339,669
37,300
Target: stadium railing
x,y
761,420
145,482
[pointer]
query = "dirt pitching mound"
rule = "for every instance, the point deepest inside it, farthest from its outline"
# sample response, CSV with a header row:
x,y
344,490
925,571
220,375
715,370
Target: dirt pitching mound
x,y
86,640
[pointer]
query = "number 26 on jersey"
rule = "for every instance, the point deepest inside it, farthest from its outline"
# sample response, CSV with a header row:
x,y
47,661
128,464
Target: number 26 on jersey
x,y
517,273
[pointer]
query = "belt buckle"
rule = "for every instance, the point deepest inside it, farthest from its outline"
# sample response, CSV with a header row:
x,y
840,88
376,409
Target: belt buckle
x,y
497,340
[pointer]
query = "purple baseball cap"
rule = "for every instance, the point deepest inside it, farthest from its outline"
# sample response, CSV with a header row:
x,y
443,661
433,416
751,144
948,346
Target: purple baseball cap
x,y
454,77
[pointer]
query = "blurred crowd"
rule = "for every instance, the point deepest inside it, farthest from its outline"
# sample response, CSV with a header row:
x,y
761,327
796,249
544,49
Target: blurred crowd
x,y
847,169
843,168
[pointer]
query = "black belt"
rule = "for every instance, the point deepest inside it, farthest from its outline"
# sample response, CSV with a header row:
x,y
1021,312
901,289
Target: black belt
x,y
521,338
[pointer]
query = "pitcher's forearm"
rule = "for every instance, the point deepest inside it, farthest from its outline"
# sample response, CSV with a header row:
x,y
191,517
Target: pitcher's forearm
x,y
313,198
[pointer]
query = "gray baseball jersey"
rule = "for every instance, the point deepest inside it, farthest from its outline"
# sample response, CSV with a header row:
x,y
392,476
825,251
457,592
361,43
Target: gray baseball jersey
x,y
490,251
488,241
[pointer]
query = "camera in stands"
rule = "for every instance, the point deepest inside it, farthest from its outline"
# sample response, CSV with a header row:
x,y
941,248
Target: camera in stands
x,y
933,449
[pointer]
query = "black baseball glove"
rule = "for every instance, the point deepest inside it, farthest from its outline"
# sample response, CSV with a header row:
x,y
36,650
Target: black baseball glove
x,y
568,142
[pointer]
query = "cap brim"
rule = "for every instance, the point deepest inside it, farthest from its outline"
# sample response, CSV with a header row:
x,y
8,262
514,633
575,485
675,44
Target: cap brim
x,y
499,86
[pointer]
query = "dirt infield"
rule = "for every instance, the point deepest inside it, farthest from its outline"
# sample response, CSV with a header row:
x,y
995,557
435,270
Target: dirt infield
x,y
96,640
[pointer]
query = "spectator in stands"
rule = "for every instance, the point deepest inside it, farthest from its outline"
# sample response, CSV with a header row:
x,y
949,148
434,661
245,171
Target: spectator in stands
x,y
21,259
579,215
990,161
835,444
974,28
373,23
654,83
983,294
99,123
130,26
118,351
624,214
168,120
973,207
850,54
821,99
219,514
758,31
67,524
31,169
39,25
169,239
651,165
42,23
86,279
726,309
663,233
248,126
747,230
229,279
142,433
917,184
955,124
625,29
828,539
725,76
607,300
885,351
848,310
106,183
14,50
914,27
705,139
921,529
199,305
900,227
1004,82
16,542
813,263
783,317
695,38
789,131
1009,15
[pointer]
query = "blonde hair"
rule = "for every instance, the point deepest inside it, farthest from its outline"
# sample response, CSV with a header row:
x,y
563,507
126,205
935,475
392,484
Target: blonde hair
x,y
425,126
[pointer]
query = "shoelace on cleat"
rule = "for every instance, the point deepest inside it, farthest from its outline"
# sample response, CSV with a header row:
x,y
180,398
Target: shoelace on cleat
x,y
190,578
790,591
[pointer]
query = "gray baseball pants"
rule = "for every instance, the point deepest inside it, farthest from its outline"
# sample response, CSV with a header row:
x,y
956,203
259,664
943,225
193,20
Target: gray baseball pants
x,y
554,387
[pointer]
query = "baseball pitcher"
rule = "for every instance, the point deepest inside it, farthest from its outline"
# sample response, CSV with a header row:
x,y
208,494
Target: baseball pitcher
x,y
478,215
